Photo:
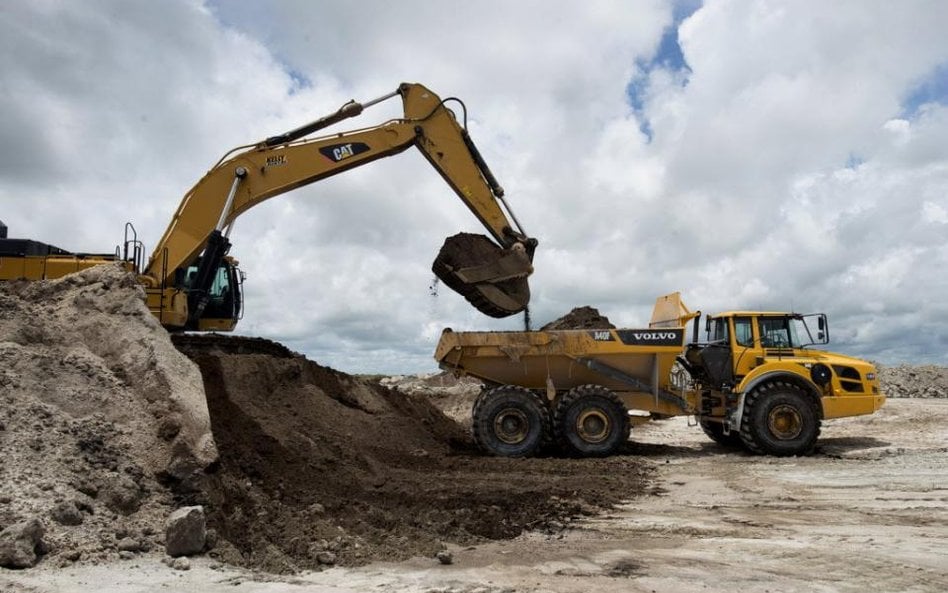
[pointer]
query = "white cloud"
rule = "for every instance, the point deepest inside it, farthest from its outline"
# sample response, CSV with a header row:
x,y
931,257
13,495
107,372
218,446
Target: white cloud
x,y
934,213
783,171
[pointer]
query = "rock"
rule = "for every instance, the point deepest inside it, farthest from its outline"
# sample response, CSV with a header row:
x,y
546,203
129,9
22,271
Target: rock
x,y
88,488
181,563
326,557
126,555
21,544
211,539
66,513
122,495
445,557
185,532
169,427
128,544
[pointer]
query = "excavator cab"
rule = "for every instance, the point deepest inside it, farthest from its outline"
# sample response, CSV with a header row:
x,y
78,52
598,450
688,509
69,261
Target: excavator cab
x,y
223,298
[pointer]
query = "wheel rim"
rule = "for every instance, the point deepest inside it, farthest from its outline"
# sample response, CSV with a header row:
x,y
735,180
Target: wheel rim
x,y
511,426
785,422
592,426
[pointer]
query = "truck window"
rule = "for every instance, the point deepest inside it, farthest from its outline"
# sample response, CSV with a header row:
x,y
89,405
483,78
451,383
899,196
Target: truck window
x,y
775,332
743,334
718,331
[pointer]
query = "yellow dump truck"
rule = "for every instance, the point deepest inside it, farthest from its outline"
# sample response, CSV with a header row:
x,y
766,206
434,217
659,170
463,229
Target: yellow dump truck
x,y
754,383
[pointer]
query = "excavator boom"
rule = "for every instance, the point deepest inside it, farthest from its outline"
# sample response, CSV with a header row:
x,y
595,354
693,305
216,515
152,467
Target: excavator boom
x,y
490,273
192,283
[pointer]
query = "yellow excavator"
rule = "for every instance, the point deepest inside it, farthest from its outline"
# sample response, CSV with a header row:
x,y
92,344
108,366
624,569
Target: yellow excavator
x,y
191,282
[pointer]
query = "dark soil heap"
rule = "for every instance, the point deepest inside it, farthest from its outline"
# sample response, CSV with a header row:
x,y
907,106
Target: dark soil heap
x,y
314,461
580,318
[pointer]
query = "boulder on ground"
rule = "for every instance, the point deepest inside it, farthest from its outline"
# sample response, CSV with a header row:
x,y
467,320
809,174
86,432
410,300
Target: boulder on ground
x,y
185,532
21,544
66,513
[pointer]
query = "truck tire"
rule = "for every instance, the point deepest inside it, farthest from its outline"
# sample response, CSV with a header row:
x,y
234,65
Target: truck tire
x,y
779,419
715,432
510,421
590,421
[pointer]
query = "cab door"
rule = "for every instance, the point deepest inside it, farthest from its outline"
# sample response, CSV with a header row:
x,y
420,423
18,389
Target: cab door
x,y
745,345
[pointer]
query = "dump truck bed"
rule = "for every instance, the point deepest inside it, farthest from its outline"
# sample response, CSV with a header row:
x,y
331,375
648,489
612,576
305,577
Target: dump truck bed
x,y
627,361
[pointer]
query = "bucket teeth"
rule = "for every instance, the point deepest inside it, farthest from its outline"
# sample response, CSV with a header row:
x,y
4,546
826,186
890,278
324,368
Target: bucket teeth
x,y
489,277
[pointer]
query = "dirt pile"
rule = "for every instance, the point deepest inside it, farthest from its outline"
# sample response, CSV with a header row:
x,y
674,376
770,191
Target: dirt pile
x,y
914,381
97,407
580,318
319,467
454,396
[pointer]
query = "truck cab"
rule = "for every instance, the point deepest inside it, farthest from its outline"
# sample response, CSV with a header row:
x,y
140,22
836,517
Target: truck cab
x,y
747,339
756,359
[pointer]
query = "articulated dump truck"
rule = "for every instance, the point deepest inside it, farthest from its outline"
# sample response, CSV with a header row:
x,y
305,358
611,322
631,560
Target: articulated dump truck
x,y
754,383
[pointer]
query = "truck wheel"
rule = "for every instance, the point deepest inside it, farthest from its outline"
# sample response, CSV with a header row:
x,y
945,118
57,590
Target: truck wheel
x,y
590,421
715,432
779,419
510,421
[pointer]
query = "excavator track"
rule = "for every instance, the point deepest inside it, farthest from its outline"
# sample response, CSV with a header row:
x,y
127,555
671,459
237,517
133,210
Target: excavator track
x,y
496,298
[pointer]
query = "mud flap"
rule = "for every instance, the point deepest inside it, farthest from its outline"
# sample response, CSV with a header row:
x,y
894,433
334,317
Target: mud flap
x,y
491,278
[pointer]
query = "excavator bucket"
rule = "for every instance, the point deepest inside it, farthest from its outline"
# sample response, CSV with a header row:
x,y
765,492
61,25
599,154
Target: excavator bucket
x,y
491,278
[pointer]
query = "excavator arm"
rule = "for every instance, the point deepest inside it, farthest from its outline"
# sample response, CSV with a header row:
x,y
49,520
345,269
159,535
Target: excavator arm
x,y
490,274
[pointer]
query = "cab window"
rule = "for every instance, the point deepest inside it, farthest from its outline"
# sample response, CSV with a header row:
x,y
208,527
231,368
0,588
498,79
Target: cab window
x,y
718,331
743,332
775,332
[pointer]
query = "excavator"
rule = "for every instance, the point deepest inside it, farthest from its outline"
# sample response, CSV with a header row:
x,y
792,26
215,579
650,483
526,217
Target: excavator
x,y
192,283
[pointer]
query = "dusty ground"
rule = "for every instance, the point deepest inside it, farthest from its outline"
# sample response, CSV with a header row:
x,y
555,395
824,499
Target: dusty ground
x,y
867,512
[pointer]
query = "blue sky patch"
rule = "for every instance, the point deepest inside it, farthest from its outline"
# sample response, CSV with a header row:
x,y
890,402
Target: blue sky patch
x,y
932,89
667,56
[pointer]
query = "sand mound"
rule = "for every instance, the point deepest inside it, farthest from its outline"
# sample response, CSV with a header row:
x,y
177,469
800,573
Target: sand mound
x,y
97,408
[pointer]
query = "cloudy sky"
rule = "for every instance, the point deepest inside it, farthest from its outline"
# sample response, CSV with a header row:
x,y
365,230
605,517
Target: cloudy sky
x,y
750,154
